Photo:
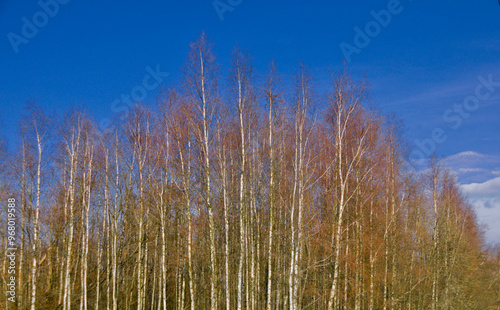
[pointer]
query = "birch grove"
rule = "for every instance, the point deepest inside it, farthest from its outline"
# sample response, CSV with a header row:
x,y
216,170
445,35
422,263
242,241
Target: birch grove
x,y
239,191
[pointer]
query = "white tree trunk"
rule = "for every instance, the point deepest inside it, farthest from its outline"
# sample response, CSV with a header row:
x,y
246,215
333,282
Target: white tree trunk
x,y
36,222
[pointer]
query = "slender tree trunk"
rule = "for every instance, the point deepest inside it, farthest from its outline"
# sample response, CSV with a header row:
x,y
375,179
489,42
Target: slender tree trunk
x,y
271,203
37,215
24,204
99,259
436,235
242,209
386,249
106,232
73,148
114,248
87,180
333,300
208,198
223,160
144,275
163,292
139,260
372,262
185,161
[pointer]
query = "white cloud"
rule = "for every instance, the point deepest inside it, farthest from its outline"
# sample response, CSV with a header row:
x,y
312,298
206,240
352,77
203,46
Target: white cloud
x,y
488,188
485,197
479,179
490,216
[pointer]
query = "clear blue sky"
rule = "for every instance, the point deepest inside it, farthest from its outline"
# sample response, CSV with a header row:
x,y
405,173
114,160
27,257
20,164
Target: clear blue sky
x,y
421,63
426,59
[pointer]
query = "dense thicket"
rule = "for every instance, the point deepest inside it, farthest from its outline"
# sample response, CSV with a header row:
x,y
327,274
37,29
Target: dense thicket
x,y
234,194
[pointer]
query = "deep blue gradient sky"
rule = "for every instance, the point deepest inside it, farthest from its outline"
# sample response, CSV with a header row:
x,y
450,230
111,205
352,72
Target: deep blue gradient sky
x,y
426,60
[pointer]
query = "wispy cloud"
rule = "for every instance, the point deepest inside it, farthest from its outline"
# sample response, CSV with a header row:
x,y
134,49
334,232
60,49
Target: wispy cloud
x,y
473,167
437,94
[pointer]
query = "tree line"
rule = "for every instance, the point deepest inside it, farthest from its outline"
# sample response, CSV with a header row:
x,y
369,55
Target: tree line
x,y
239,193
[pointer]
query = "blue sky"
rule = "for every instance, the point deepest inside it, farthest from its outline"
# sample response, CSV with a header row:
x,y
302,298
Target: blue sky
x,y
429,58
